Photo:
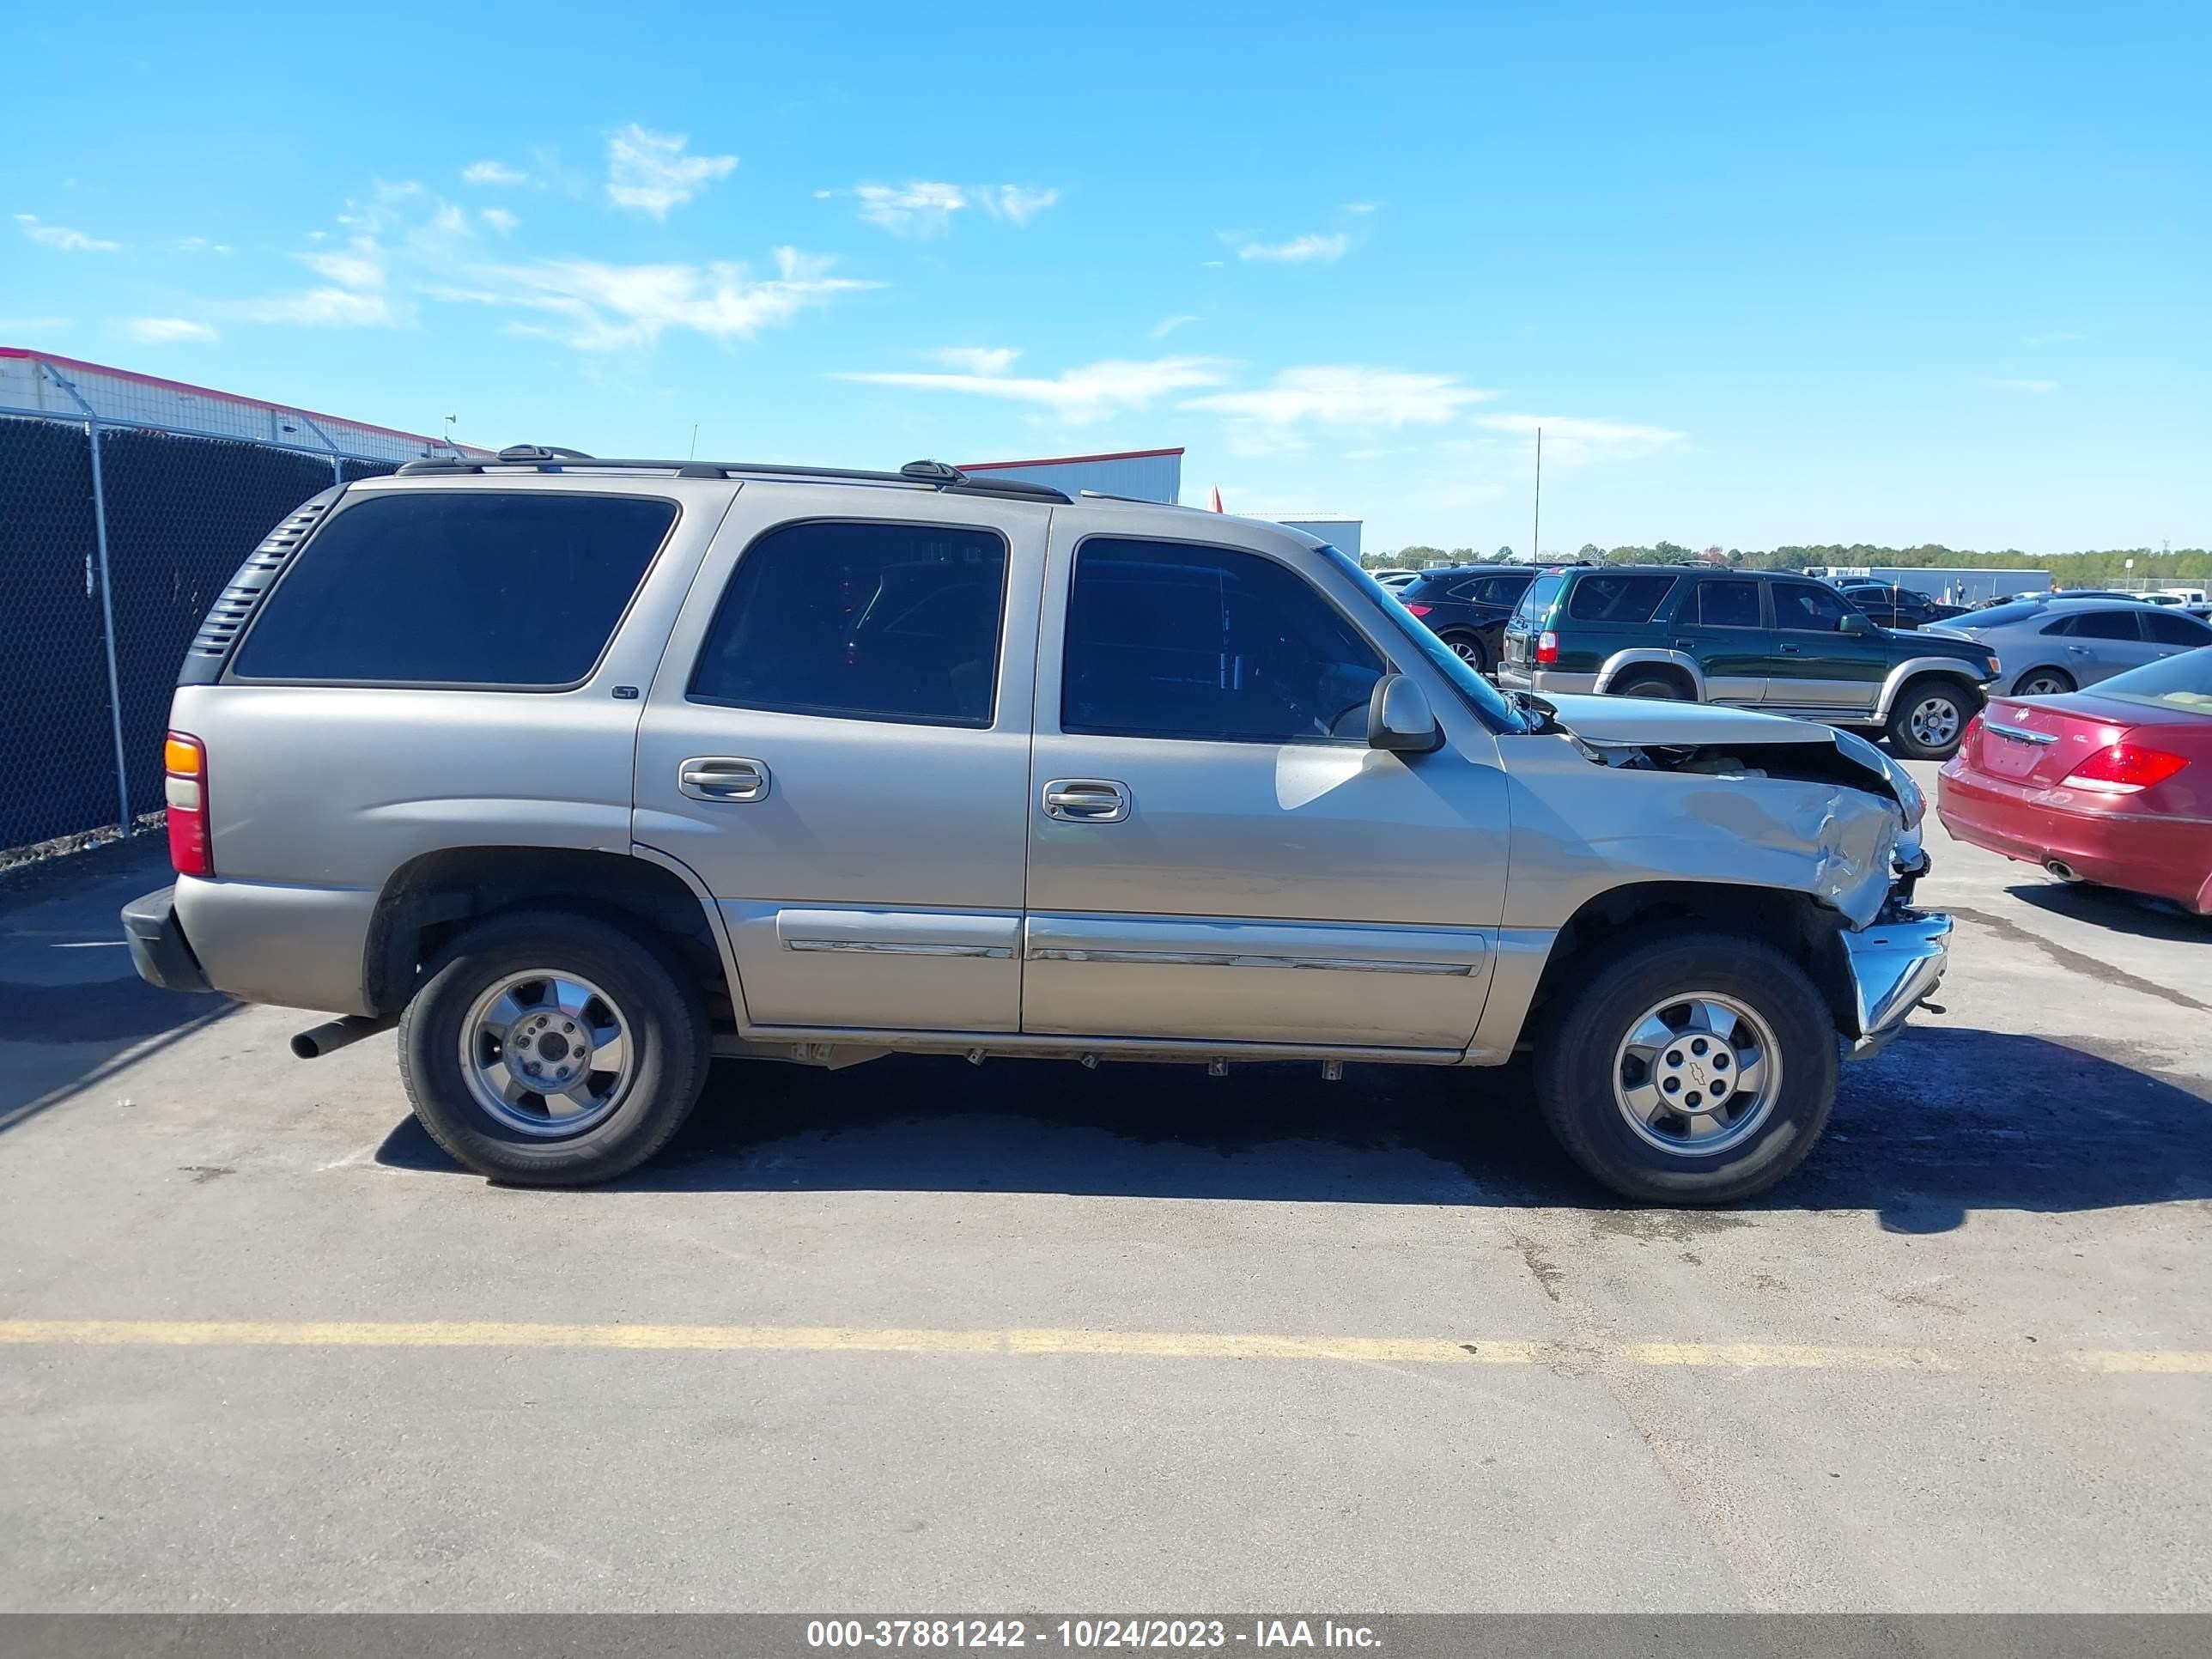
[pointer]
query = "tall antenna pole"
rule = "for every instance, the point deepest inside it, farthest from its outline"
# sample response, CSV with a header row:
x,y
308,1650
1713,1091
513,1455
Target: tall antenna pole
x,y
694,455
1536,530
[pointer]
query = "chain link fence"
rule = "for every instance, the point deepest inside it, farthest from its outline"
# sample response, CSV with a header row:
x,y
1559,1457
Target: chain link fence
x,y
125,504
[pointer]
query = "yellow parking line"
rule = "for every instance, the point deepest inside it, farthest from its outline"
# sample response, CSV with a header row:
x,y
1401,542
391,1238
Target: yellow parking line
x,y
1098,1344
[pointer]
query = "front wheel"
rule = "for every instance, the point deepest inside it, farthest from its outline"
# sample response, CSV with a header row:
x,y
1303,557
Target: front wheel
x,y
1693,1068
550,1049
1930,719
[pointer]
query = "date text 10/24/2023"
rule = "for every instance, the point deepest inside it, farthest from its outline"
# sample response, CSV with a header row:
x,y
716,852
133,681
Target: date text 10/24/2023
x,y
1088,1633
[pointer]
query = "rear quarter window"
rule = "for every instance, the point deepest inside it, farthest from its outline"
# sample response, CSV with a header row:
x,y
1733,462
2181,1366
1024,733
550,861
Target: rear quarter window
x,y
1536,604
469,587
1618,596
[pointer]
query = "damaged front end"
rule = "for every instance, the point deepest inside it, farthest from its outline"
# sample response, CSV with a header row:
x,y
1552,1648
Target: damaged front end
x,y
1664,791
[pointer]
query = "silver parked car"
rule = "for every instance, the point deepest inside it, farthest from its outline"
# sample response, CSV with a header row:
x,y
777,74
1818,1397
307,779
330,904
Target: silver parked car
x,y
584,773
2050,646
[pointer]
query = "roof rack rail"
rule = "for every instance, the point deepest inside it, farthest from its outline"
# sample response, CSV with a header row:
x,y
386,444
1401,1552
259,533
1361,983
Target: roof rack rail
x,y
940,476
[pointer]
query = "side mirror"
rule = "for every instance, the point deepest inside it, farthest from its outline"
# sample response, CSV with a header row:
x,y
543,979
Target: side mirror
x,y
1400,719
1855,624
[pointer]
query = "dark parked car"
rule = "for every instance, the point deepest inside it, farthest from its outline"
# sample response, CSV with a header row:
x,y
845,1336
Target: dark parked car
x,y
1466,607
1896,607
1782,644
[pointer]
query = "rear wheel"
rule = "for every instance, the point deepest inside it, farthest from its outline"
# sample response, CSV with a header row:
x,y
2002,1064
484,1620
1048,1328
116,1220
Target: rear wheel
x,y
1693,1068
1929,717
2044,682
1652,685
1468,648
548,1048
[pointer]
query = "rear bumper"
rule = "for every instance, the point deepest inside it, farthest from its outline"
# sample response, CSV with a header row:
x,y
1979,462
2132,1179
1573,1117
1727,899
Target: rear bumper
x,y
2165,857
1894,962
1515,677
159,950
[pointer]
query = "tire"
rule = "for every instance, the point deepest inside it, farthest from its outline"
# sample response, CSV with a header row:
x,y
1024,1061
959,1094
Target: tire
x,y
1468,648
1663,686
1586,1065
625,1113
1929,717
2044,682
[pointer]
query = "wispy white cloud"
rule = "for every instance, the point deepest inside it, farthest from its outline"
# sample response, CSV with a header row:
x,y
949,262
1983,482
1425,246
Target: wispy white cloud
x,y
12,329
1569,438
1167,326
492,172
500,220
326,307
2026,388
597,306
650,171
1076,395
1016,201
976,359
1301,249
1347,395
61,237
163,330
201,245
1361,207
362,268
925,207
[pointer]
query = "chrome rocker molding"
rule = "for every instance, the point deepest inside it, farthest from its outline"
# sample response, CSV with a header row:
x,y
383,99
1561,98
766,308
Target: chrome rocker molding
x,y
1956,668
1238,959
876,947
1619,659
1893,964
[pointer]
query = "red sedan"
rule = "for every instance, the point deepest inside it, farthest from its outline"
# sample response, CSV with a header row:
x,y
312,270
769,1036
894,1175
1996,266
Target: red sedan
x,y
2113,785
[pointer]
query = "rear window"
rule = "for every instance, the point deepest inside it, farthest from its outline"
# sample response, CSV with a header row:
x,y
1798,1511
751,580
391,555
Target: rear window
x,y
1536,604
1618,596
458,587
2001,616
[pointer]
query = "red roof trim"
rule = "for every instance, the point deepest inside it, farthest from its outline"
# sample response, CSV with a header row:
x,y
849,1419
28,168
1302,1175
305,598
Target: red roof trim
x,y
1067,460
187,388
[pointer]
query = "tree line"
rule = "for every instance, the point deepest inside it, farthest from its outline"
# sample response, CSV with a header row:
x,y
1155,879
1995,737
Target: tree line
x,y
2098,569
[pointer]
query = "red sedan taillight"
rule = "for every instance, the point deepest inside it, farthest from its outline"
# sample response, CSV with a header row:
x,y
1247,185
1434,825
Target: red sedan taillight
x,y
1421,609
2125,768
191,849
1547,647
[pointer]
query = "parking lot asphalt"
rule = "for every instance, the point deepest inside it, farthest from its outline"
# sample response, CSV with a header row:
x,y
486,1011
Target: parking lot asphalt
x,y
916,1336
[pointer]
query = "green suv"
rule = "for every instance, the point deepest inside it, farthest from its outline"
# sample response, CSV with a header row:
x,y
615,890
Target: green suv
x,y
1766,640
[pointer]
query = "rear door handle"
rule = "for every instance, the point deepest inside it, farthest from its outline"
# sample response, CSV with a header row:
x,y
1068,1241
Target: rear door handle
x,y
722,778
2077,650
1789,650
1086,800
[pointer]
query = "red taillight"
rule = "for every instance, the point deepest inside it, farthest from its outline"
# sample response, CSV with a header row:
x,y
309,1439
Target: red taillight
x,y
191,850
1966,738
1421,609
2125,767
1547,647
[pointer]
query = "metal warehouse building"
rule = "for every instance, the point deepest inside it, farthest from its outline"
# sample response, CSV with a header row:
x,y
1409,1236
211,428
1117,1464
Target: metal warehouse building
x,y
1148,475
1339,532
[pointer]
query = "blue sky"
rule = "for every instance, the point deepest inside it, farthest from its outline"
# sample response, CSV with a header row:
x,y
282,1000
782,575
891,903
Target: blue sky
x,y
1766,275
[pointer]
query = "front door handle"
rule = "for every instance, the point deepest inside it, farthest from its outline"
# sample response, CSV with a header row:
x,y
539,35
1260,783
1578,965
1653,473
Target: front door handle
x,y
2077,650
1789,650
722,778
1086,800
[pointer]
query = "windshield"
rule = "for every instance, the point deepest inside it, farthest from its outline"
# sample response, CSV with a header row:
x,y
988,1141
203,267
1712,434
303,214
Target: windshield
x,y
1536,602
2182,682
1481,694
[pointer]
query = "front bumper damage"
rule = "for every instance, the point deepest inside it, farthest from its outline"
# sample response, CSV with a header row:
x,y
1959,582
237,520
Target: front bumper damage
x,y
1897,959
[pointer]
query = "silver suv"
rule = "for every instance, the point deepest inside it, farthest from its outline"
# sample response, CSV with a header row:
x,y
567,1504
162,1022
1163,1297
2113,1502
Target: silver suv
x,y
583,773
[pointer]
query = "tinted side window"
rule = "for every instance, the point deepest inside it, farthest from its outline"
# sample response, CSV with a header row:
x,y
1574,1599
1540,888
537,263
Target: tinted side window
x,y
2105,625
1501,590
873,622
1166,640
1618,596
1728,604
1806,609
1536,604
2167,629
458,587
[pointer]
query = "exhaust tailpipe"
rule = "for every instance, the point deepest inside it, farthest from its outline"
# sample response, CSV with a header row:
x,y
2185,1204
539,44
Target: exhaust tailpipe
x,y
334,1035
2061,869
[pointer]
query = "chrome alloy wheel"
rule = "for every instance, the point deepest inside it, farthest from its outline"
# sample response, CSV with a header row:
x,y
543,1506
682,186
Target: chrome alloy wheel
x,y
1466,651
2042,685
1934,722
546,1053
1697,1074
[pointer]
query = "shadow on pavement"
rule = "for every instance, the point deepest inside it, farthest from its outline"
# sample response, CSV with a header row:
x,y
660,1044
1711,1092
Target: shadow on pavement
x,y
2125,913
1945,1122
